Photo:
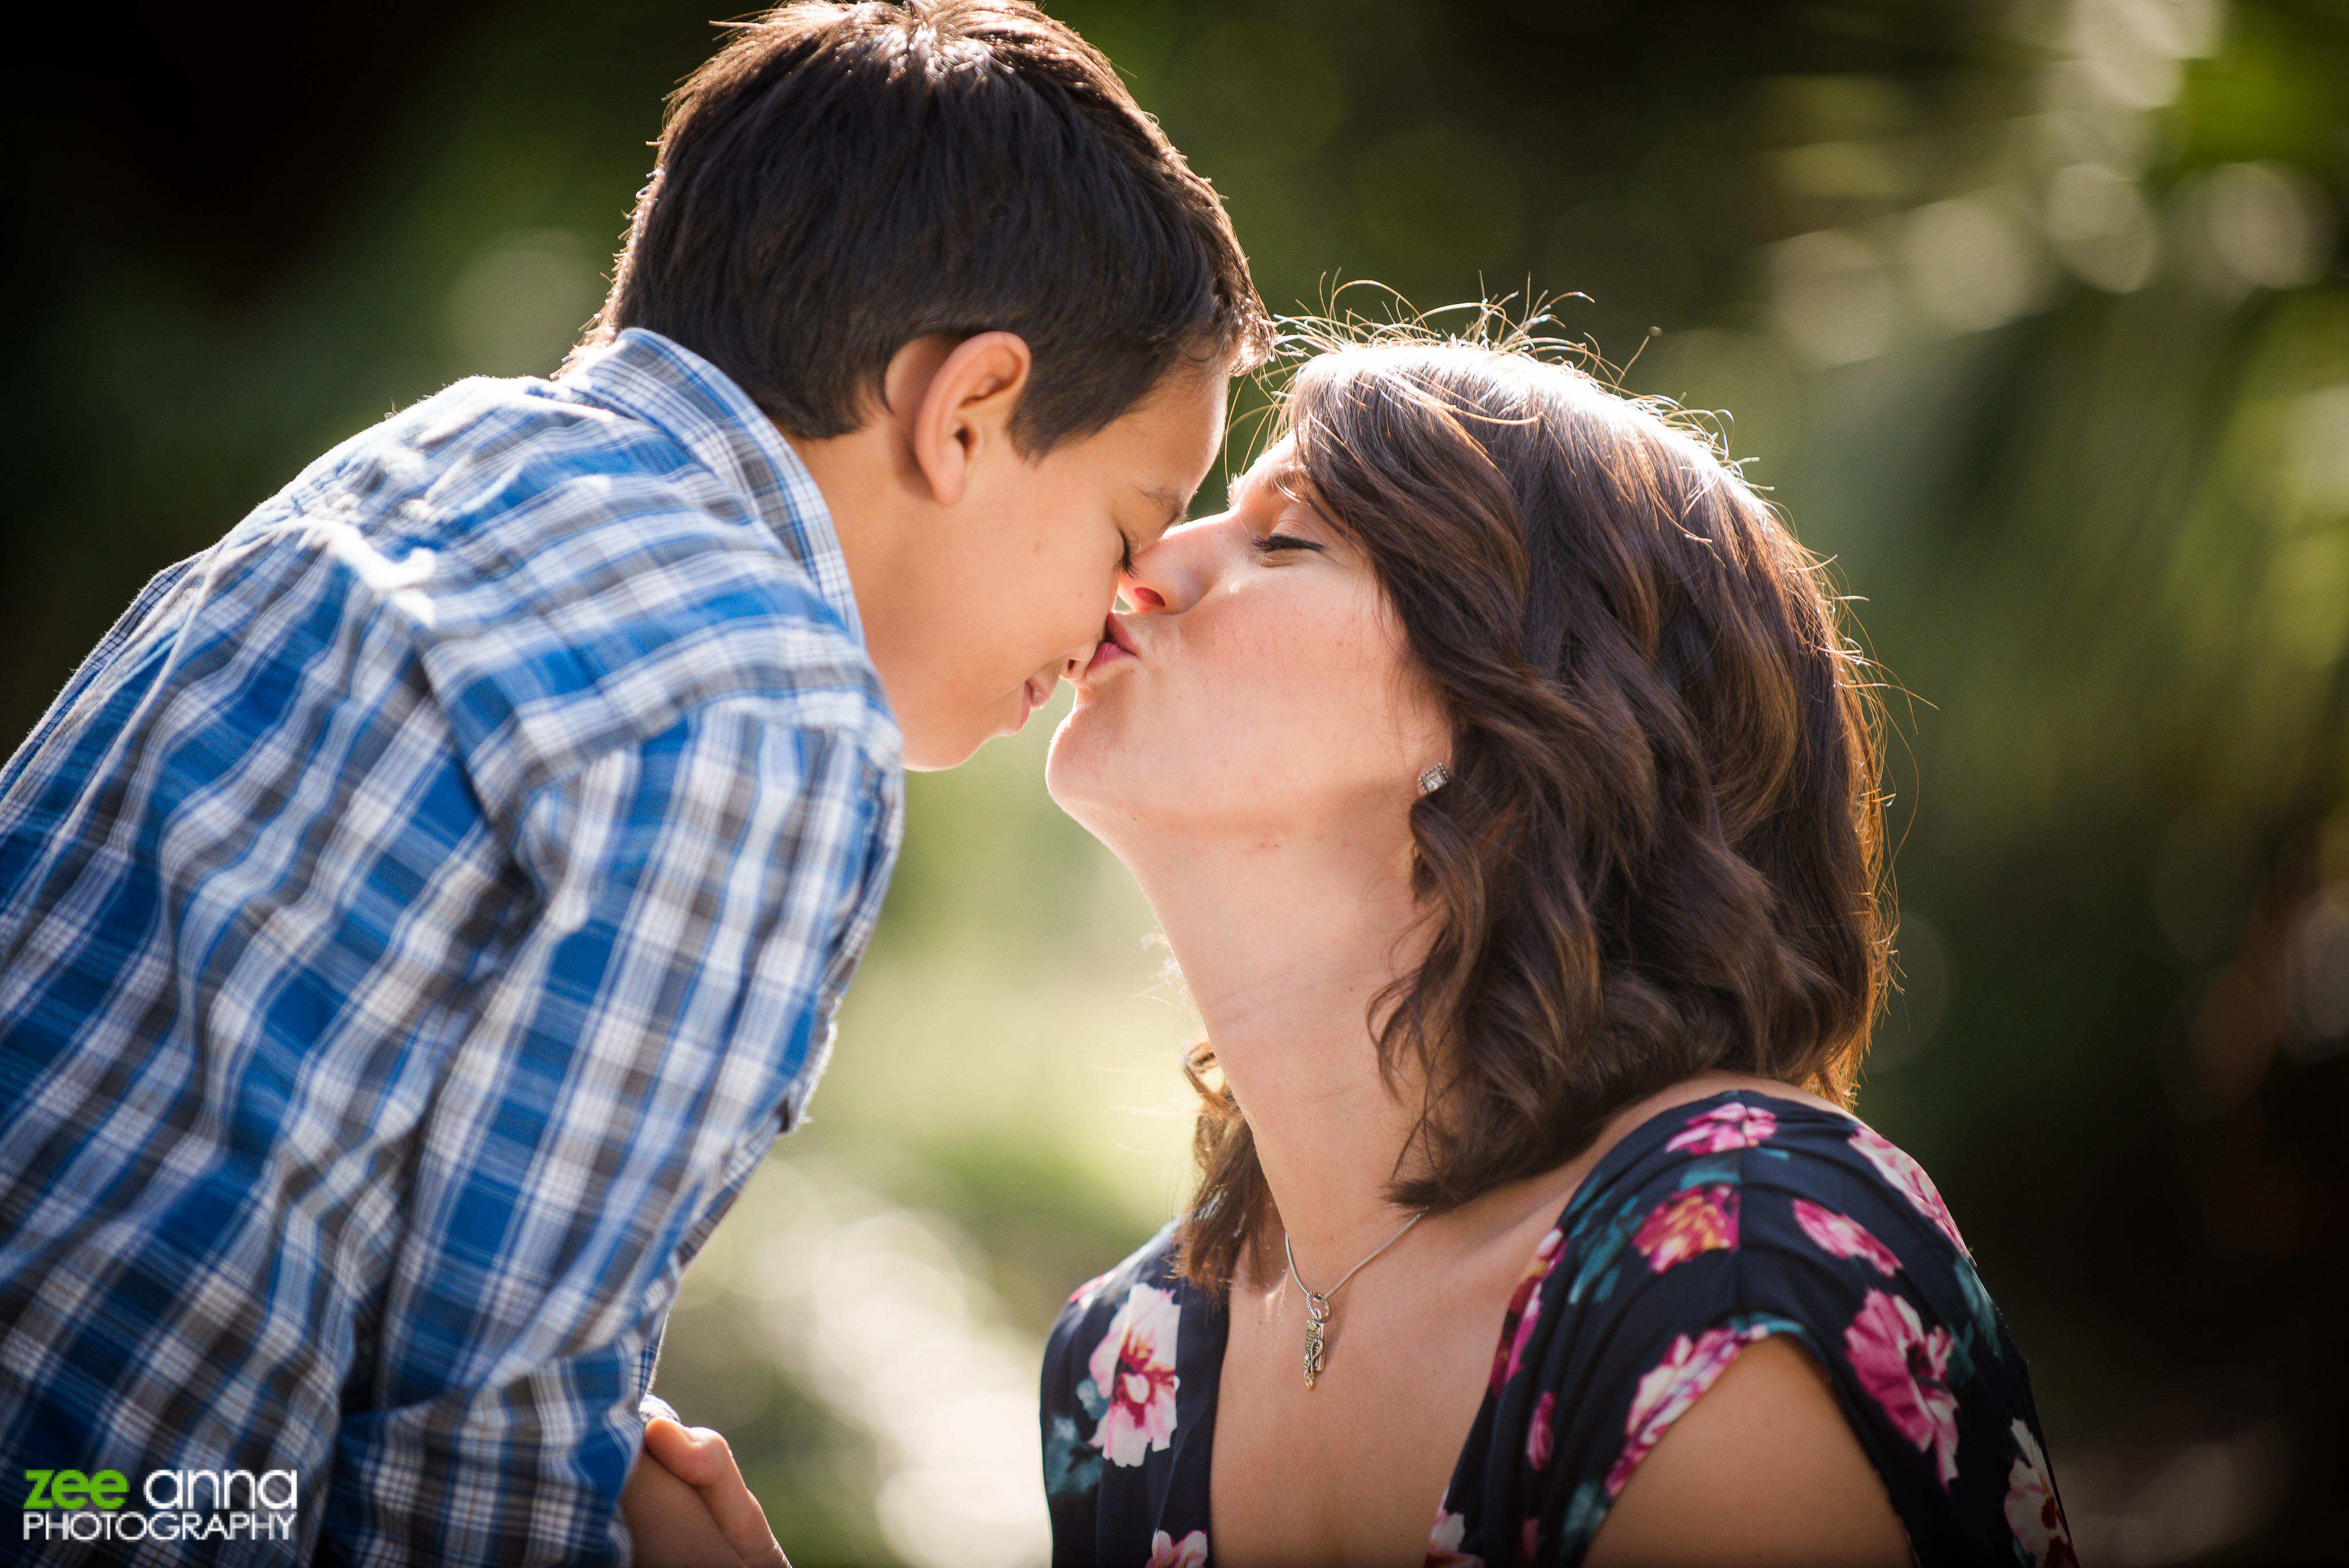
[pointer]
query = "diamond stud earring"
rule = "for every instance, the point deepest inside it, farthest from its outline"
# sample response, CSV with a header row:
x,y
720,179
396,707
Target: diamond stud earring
x,y
1436,776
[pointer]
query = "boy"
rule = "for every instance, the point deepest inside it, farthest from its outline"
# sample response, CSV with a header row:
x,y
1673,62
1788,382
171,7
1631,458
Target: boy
x,y
423,910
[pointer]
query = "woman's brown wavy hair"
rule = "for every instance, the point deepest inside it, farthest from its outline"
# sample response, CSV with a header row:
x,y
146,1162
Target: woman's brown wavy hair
x,y
1661,849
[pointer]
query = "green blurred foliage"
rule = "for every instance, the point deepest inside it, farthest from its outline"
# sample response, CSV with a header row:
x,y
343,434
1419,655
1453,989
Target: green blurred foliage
x,y
2032,314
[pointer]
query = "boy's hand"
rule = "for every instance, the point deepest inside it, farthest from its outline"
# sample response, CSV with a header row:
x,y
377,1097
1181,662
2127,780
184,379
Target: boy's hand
x,y
688,1506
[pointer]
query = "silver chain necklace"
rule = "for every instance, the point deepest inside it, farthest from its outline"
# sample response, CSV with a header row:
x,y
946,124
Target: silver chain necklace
x,y
1316,1302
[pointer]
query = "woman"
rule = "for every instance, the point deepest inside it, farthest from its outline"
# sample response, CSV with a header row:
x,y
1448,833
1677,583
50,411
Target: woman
x,y
1507,794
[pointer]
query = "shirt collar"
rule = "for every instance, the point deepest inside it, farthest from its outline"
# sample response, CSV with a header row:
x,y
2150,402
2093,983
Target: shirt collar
x,y
700,406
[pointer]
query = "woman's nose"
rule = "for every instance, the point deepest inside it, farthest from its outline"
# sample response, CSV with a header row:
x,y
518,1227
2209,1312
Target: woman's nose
x,y
1171,575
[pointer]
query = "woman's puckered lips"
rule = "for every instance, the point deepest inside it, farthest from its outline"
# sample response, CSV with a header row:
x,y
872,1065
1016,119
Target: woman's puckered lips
x,y
1116,643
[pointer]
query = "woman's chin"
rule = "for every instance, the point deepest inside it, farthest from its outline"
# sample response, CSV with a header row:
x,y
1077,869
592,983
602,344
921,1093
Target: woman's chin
x,y
1098,774
1074,766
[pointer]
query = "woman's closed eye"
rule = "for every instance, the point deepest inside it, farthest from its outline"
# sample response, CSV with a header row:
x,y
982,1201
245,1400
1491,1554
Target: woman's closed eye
x,y
1271,544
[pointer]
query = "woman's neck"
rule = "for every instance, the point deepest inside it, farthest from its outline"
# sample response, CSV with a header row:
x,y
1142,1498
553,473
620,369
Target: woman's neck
x,y
1285,943
1284,947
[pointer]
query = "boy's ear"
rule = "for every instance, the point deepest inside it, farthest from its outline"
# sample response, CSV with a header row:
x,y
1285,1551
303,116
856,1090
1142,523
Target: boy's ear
x,y
956,403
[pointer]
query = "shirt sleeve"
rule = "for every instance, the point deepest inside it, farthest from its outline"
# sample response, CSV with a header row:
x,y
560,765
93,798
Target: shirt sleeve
x,y
694,903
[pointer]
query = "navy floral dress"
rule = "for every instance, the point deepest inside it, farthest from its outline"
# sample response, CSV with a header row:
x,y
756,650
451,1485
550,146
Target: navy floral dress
x,y
1711,1227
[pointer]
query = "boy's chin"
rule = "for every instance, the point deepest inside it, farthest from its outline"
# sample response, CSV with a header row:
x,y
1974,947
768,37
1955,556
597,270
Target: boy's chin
x,y
934,748
935,753
932,759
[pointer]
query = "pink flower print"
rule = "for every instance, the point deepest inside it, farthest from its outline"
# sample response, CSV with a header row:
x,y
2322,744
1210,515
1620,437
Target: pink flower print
x,y
1895,1166
1537,1268
1524,1310
1841,1236
1701,1220
1725,1127
2033,1511
1133,1367
1905,1367
1544,1433
1191,1551
1670,1387
1443,1542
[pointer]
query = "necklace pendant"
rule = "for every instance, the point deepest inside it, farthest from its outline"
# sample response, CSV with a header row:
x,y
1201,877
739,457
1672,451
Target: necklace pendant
x,y
1316,1302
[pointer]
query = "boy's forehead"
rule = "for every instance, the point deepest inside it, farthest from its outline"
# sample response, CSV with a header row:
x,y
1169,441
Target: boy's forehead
x,y
1178,432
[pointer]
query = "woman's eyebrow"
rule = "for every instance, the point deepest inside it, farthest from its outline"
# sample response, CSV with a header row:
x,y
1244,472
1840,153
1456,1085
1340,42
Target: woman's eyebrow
x,y
1279,479
1289,479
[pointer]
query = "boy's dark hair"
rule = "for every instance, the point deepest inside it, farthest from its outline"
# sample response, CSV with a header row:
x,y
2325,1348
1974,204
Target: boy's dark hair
x,y
842,179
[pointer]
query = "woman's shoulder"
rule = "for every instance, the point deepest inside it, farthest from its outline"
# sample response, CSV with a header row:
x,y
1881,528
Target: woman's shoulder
x,y
1797,1217
1113,1396
1747,1215
1155,1267
1820,1160
1125,1324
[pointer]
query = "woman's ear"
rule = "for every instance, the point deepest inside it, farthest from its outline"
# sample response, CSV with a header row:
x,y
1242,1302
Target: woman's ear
x,y
957,403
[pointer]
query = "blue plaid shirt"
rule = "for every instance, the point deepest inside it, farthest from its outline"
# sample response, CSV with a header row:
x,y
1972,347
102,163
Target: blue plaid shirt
x,y
416,918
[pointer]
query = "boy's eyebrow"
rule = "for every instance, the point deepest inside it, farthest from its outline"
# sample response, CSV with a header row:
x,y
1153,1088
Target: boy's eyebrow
x,y
1166,501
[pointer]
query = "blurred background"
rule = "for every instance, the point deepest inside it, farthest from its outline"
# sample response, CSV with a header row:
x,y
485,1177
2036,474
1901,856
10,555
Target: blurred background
x,y
2031,313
